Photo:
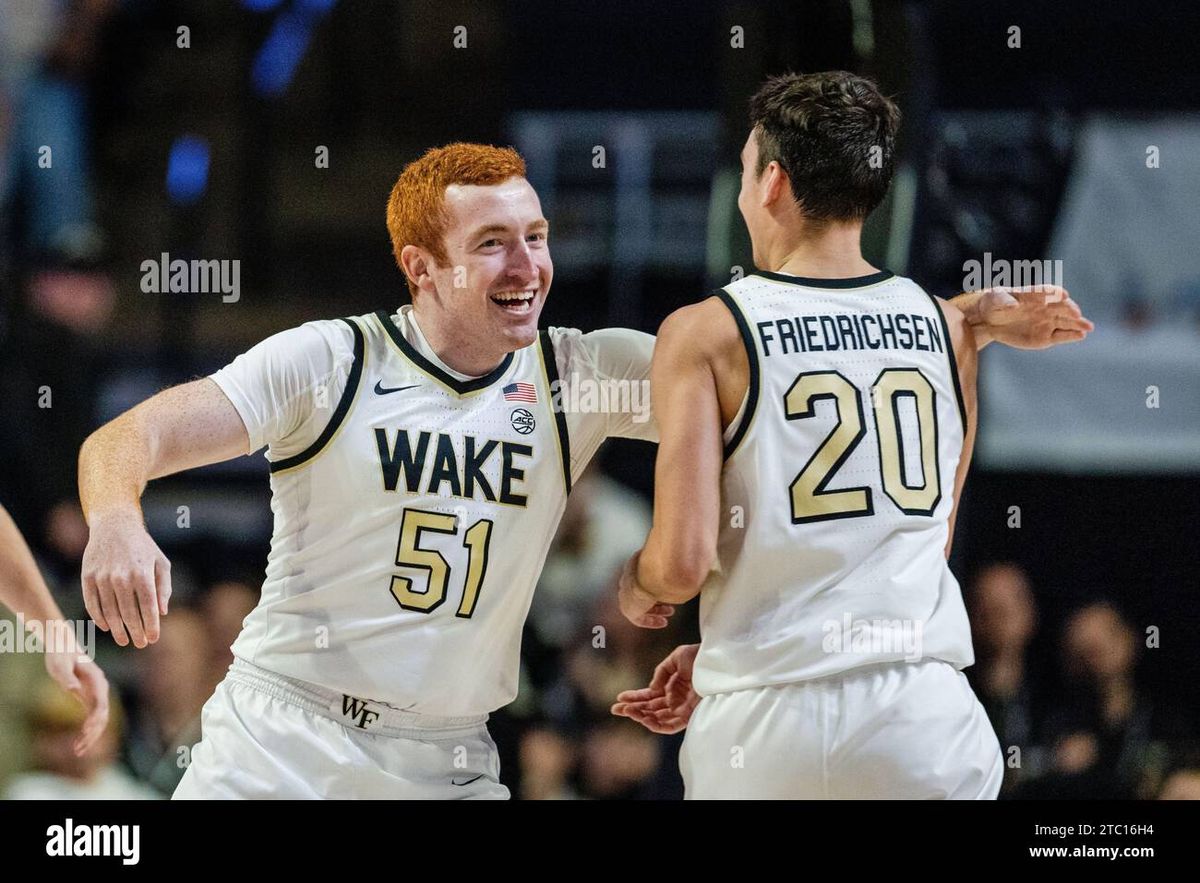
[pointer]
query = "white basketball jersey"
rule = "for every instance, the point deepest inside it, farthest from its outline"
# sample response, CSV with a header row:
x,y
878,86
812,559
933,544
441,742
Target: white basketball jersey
x,y
837,486
409,537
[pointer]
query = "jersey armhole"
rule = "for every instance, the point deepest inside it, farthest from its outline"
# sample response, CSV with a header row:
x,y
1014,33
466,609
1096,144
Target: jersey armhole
x,y
751,404
339,413
962,408
550,370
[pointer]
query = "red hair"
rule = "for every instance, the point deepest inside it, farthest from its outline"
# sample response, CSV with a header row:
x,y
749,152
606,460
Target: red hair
x,y
416,209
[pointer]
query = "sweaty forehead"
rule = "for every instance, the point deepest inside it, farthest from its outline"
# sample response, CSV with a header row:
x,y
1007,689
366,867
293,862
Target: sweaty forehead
x,y
511,201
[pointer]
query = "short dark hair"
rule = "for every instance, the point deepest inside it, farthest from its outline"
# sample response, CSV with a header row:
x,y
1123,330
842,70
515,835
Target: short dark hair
x,y
821,129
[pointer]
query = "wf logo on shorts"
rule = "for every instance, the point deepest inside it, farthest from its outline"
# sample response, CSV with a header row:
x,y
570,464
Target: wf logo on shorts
x,y
358,711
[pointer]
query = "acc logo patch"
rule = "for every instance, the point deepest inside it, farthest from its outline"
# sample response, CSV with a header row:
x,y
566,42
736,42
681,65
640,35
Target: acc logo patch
x,y
522,421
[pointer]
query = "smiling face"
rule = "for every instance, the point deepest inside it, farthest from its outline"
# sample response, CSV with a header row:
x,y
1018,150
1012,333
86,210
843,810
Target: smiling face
x,y
483,296
498,269
468,233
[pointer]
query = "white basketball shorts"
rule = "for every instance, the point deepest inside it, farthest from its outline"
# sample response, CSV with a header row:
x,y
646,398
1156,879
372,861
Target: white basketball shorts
x,y
264,736
900,730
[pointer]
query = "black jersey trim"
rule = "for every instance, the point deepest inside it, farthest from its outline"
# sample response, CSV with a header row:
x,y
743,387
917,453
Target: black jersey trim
x,y
808,282
752,355
962,408
459,386
560,418
343,405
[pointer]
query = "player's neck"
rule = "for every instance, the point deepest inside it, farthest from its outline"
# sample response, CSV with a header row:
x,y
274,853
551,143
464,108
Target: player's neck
x,y
825,251
456,350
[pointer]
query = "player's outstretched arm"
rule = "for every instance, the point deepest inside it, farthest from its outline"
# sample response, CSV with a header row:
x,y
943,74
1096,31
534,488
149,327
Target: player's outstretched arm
x,y
23,591
126,577
966,355
1030,317
681,547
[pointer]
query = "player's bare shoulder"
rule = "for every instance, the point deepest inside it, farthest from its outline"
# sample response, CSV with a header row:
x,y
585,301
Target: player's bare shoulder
x,y
962,338
708,331
708,327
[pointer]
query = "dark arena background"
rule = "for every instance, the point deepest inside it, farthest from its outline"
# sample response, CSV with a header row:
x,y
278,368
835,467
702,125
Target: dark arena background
x,y
269,132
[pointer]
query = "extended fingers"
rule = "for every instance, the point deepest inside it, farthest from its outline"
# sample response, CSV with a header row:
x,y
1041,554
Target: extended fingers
x,y
663,672
162,577
656,617
678,690
639,695
1050,294
128,591
1068,315
147,602
91,601
1067,335
663,723
110,611
655,703
652,621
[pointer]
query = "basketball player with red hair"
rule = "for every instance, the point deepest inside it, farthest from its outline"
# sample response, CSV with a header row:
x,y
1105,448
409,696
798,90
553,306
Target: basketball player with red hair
x,y
419,469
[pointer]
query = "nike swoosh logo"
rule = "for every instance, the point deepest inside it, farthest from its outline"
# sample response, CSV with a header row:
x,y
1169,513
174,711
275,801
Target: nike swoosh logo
x,y
468,782
381,390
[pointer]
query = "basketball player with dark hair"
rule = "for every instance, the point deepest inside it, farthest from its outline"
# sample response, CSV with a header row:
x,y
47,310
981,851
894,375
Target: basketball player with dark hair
x,y
816,422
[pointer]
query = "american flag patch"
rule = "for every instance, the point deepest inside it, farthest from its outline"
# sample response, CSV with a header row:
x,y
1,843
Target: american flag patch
x,y
520,392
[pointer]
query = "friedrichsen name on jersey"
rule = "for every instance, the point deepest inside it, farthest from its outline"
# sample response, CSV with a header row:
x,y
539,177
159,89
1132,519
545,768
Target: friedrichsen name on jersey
x,y
856,331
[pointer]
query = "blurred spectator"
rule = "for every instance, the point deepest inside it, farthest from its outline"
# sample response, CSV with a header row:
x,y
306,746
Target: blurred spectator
x,y
608,655
55,249
21,676
47,52
1136,314
49,382
619,760
225,606
612,655
1103,732
59,773
604,523
174,684
1003,621
1181,784
548,760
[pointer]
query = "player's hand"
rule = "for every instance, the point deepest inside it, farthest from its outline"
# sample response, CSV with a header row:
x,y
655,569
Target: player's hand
x,y
126,578
78,674
639,606
1031,317
667,704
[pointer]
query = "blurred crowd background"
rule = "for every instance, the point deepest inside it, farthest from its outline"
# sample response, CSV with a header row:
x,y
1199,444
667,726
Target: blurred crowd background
x,y
1075,542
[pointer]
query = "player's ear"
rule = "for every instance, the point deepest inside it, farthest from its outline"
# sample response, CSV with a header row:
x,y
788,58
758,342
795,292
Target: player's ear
x,y
416,264
774,183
